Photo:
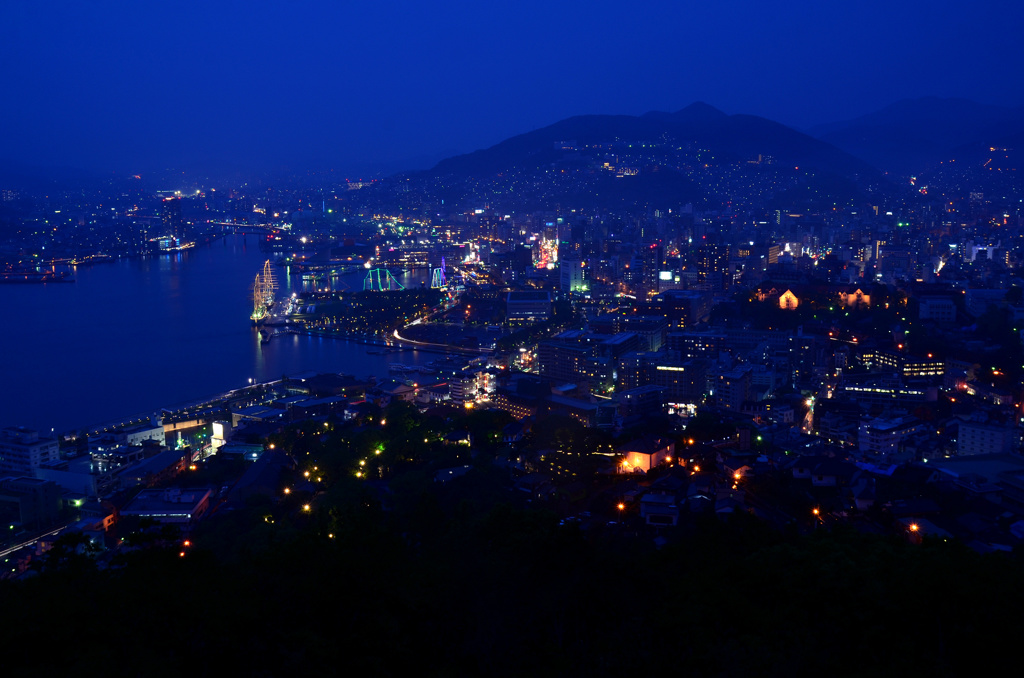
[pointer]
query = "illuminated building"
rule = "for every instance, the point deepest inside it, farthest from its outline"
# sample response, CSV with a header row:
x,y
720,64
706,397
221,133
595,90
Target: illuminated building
x,y
905,365
172,220
713,264
527,307
788,301
681,308
516,405
646,453
886,393
855,298
690,344
882,437
652,261
732,388
573,275
681,381
173,505
564,358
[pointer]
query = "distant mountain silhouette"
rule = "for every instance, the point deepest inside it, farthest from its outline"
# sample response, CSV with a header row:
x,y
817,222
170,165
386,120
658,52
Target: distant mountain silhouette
x,y
736,137
697,155
912,135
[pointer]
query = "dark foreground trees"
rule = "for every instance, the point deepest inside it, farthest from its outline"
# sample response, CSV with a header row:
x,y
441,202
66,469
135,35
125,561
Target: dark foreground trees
x,y
458,582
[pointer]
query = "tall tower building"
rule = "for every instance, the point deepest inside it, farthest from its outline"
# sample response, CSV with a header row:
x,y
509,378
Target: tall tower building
x,y
713,265
653,261
173,223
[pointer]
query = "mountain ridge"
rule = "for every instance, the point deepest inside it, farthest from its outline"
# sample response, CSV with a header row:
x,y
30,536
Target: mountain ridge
x,y
911,135
740,135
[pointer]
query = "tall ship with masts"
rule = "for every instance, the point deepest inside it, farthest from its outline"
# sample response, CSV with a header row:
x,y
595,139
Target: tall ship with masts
x,y
263,290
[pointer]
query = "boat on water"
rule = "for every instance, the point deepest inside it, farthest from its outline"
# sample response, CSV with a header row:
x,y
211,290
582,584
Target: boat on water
x,y
263,290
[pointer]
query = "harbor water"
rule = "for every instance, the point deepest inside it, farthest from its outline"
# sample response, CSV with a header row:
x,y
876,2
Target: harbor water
x,y
135,335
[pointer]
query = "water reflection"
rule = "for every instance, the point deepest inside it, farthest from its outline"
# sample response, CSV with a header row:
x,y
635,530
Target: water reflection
x,y
135,335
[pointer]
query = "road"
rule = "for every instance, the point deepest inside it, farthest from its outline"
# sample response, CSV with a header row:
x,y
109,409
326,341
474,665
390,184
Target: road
x,y
33,540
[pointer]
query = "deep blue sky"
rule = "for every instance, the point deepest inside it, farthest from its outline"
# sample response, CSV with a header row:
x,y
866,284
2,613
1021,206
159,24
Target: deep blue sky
x,y
132,85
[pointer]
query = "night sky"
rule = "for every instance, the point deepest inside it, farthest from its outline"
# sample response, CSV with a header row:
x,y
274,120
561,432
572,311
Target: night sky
x,y
136,86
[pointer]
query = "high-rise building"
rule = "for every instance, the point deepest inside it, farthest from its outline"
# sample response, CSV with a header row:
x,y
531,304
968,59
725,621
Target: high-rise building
x,y
733,387
682,308
573,275
713,265
173,223
652,258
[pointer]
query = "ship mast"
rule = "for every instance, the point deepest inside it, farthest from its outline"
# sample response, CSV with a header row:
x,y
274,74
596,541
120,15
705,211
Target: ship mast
x,y
269,284
263,289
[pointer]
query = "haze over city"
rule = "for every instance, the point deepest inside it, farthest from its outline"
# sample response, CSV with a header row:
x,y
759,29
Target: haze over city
x,y
388,86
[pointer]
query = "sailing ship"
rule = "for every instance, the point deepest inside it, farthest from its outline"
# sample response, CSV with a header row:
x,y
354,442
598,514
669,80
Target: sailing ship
x,y
263,290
